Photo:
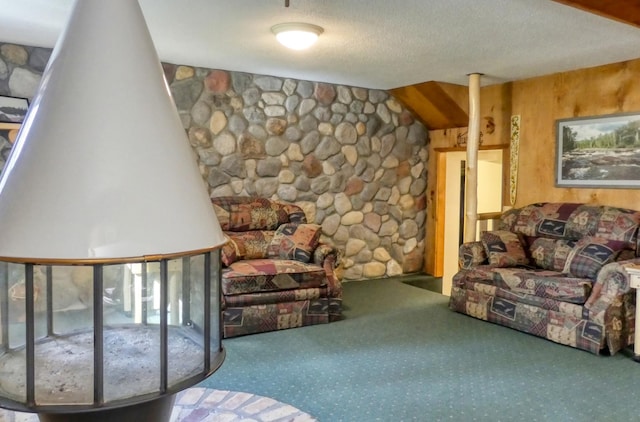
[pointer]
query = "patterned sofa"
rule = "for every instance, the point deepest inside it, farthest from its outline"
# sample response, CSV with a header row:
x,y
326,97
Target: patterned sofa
x,y
276,273
555,270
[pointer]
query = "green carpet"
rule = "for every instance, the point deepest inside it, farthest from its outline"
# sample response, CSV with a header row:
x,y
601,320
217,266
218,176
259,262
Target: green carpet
x,y
400,354
423,281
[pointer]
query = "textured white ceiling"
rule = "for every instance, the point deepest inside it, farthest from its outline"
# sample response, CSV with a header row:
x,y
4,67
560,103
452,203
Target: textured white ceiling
x,y
369,43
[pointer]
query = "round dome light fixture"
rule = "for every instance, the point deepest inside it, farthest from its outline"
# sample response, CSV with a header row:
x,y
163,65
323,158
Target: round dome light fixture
x,y
297,35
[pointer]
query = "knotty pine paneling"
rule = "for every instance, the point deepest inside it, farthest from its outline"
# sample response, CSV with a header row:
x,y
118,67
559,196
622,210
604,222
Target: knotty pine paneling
x,y
601,90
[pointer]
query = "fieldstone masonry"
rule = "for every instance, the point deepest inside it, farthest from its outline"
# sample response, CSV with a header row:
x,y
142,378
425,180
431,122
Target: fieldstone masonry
x,y
353,158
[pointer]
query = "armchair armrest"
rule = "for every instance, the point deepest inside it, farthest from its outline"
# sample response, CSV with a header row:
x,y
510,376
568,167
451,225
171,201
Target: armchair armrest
x,y
325,251
471,254
328,257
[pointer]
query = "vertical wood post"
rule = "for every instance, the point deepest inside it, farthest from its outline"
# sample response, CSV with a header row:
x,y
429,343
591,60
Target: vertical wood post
x,y
473,139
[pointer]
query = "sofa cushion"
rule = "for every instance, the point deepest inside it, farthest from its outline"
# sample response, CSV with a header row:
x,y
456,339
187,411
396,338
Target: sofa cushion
x,y
294,241
550,303
524,281
241,213
573,221
504,248
539,220
551,254
590,254
252,244
605,222
471,254
229,253
263,275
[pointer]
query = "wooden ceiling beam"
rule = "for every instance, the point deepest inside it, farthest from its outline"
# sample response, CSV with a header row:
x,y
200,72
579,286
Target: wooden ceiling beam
x,y
625,11
432,105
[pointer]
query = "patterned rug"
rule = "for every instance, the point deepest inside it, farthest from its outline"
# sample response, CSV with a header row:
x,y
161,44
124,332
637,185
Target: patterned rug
x,y
204,404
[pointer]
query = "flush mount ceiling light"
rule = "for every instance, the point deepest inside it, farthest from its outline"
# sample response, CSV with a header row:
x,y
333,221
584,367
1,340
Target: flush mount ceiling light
x,y
296,35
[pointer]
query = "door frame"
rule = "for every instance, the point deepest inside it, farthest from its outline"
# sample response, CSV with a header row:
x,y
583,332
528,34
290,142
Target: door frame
x,y
441,182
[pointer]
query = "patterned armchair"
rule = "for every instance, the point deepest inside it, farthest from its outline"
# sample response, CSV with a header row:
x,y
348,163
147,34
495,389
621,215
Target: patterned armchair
x,y
276,273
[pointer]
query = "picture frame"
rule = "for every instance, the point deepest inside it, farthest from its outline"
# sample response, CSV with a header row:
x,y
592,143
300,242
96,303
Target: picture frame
x,y
13,109
598,151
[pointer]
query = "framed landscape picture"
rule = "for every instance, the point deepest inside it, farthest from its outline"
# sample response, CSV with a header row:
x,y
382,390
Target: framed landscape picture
x,y
602,151
13,109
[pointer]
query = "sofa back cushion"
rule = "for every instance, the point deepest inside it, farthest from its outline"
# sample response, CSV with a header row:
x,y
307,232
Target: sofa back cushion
x,y
504,248
294,241
572,221
250,244
551,254
590,254
243,213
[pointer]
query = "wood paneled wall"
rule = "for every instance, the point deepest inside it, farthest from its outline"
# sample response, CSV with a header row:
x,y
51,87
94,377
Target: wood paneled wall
x,y
608,89
541,101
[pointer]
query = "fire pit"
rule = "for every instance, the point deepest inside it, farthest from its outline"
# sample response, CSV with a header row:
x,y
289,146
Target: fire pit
x,y
109,259
76,340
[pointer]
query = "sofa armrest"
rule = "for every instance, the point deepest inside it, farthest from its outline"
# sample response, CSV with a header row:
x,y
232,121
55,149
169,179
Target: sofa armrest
x,y
611,285
612,304
471,254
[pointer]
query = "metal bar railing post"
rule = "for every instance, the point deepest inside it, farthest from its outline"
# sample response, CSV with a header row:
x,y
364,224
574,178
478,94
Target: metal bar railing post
x,y
30,332
98,335
164,302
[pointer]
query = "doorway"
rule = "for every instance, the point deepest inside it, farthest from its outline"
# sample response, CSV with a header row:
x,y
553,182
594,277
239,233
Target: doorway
x,y
450,211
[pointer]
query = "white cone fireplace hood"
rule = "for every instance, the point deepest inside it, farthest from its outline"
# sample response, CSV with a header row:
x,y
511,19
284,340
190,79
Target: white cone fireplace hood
x,y
109,259
102,167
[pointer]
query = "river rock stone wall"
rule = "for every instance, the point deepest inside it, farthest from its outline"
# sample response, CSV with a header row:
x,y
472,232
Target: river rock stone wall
x,y
353,158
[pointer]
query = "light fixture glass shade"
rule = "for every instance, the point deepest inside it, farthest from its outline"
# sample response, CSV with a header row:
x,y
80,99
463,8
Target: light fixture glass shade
x,y
295,35
102,167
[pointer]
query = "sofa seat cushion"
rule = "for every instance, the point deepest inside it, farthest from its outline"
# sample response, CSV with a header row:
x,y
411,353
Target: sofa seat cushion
x,y
264,275
526,281
567,308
